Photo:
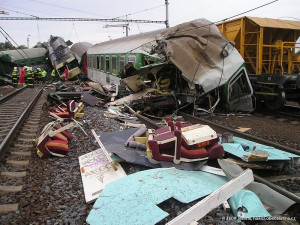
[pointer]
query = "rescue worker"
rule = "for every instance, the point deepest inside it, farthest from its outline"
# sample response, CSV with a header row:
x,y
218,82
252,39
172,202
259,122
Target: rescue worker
x,y
15,76
30,79
44,74
39,75
22,76
53,75
66,74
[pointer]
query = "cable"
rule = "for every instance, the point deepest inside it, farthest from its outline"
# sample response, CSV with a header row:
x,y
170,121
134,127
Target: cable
x,y
63,7
144,10
18,12
211,23
14,42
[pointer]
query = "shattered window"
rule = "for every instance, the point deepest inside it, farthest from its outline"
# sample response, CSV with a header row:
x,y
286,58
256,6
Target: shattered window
x,y
114,64
122,62
107,64
102,63
131,59
239,87
98,63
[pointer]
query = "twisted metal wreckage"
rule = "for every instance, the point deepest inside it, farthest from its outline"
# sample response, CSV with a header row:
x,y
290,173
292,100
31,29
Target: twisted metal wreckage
x,y
192,63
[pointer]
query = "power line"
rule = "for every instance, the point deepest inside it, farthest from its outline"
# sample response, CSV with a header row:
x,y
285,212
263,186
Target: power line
x,y
17,11
14,42
211,23
144,10
81,19
63,7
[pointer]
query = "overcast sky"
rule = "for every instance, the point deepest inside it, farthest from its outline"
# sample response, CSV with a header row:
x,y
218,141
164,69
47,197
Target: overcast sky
x,y
180,11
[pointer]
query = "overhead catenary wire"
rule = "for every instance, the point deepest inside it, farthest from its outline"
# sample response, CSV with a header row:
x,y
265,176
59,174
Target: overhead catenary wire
x,y
14,42
223,20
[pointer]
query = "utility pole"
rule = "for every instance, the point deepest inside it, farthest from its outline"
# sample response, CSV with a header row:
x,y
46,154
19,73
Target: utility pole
x,y
167,13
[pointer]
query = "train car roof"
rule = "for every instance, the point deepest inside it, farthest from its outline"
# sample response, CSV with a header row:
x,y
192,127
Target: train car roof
x,y
26,53
139,43
270,23
79,48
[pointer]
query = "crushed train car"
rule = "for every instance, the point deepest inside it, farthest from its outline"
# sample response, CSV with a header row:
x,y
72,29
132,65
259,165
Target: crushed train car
x,y
61,57
79,50
192,63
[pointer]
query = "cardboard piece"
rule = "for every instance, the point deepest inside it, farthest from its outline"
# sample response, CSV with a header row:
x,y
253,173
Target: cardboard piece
x,y
96,173
89,99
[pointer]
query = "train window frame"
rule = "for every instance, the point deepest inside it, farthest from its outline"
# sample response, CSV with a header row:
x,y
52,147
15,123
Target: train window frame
x,y
98,62
94,62
121,62
102,63
132,61
89,61
114,64
239,86
107,63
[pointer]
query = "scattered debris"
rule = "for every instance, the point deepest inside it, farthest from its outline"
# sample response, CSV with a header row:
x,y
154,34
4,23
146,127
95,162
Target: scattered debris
x,y
196,212
96,173
248,151
276,202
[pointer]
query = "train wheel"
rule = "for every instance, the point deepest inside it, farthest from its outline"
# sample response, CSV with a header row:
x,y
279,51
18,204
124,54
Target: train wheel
x,y
275,102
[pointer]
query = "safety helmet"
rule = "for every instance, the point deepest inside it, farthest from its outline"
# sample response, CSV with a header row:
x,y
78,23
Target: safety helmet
x,y
15,68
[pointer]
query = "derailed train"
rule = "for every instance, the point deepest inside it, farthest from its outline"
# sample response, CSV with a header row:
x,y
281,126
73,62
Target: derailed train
x,y
189,64
61,57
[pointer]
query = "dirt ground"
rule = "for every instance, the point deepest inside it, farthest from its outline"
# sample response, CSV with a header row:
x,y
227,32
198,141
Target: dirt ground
x,y
278,130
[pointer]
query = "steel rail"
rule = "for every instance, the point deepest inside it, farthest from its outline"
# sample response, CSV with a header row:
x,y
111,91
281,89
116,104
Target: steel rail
x,y
11,134
10,95
238,133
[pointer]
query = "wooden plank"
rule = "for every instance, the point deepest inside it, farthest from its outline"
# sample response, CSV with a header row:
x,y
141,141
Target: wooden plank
x,y
21,153
18,162
7,208
9,189
13,174
23,146
213,200
25,139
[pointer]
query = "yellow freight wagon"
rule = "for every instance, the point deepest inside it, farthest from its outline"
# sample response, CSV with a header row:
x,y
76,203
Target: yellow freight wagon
x,y
269,48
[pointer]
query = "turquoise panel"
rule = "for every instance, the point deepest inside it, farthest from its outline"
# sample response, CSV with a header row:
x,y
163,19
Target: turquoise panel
x,y
133,199
248,200
237,149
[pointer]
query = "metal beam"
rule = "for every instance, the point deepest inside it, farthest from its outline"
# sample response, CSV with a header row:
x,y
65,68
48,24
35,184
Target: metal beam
x,y
82,19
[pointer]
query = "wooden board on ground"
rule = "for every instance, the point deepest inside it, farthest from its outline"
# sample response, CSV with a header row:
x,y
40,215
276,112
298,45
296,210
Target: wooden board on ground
x,y
96,173
243,129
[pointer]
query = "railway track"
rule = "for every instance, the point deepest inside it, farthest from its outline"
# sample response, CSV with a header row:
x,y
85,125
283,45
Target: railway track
x,y
20,115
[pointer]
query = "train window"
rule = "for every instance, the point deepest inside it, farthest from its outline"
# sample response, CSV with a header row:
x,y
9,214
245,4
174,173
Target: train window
x,y
89,62
98,63
94,62
122,62
132,59
31,63
114,64
107,64
102,62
